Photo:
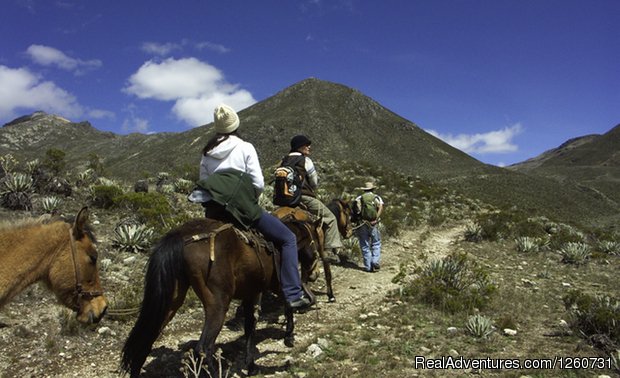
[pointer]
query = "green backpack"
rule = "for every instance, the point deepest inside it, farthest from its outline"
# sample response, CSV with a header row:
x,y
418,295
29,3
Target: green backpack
x,y
368,208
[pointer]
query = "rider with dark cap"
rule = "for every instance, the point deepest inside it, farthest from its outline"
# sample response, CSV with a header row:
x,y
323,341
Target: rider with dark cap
x,y
300,146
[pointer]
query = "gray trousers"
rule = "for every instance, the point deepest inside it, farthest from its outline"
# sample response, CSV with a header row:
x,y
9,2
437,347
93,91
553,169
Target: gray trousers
x,y
332,235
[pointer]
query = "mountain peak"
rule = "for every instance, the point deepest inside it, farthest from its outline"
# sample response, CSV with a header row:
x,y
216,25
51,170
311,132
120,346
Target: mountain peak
x,y
38,116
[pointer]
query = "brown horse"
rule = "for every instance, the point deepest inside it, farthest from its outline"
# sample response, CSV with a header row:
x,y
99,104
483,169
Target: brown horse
x,y
58,253
310,233
220,265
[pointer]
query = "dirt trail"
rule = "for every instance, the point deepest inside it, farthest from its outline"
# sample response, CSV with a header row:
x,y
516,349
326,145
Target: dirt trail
x,y
358,294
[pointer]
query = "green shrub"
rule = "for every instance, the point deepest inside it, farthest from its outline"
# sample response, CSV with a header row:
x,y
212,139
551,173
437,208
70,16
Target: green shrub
x,y
55,160
561,234
594,314
150,208
104,196
495,226
455,283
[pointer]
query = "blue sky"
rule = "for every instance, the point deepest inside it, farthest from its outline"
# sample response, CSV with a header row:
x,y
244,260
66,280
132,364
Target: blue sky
x,y
503,80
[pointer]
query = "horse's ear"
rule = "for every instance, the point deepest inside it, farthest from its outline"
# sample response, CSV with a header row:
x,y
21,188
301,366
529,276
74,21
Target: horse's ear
x,y
80,223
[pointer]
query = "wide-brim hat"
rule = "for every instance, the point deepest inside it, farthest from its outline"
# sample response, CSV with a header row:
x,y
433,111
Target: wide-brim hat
x,y
369,185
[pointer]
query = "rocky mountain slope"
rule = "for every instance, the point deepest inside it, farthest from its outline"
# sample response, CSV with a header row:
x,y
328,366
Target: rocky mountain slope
x,y
591,162
344,124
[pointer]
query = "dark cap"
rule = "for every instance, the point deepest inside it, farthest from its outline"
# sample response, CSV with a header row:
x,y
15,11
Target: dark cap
x,y
298,141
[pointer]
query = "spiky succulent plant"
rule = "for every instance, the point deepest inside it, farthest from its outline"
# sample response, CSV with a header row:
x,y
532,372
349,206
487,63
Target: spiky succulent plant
x,y
479,326
575,253
132,237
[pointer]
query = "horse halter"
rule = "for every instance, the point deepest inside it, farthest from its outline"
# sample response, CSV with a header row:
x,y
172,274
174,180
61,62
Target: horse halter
x,y
79,291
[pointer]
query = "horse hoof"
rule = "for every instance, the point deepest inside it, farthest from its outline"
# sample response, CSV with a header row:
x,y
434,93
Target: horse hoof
x,y
331,299
252,369
289,341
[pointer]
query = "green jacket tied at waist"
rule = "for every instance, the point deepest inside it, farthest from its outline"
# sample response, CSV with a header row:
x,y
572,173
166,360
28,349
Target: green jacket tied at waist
x,y
233,189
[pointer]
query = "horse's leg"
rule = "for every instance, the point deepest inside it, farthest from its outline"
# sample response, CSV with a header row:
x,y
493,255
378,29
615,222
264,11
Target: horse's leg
x,y
289,335
327,268
215,307
249,305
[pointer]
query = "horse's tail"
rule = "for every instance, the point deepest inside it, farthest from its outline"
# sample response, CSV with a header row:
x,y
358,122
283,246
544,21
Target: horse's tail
x,y
164,270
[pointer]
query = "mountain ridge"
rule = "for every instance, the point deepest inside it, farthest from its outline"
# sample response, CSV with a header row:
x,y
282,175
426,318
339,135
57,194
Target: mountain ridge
x,y
344,125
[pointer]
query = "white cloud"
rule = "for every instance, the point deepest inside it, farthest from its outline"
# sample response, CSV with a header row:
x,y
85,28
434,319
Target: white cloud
x,y
499,141
212,46
49,56
22,89
100,114
161,49
165,49
135,124
196,88
194,111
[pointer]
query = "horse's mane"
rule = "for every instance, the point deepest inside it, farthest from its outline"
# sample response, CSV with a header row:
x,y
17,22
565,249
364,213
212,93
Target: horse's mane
x,y
43,219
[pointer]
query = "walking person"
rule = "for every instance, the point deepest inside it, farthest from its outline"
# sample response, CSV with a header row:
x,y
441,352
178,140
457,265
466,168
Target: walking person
x,y
367,209
299,156
232,179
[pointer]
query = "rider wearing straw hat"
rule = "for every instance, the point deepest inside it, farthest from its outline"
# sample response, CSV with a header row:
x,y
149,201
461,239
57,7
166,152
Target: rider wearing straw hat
x,y
368,208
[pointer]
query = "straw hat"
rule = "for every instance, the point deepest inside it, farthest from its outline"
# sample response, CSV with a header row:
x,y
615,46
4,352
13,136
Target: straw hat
x,y
369,185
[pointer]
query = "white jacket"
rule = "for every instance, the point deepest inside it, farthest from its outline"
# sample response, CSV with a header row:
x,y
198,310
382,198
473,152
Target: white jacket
x,y
237,154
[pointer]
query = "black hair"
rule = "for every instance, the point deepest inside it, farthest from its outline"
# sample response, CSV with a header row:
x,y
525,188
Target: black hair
x,y
216,140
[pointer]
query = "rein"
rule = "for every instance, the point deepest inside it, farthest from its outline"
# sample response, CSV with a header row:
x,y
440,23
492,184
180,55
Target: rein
x,y
79,291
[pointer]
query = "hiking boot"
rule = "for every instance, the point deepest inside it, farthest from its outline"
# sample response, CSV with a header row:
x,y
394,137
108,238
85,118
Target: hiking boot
x,y
376,267
300,303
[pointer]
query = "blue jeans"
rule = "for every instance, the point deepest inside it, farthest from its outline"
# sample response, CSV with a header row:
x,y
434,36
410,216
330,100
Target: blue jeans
x,y
370,244
276,232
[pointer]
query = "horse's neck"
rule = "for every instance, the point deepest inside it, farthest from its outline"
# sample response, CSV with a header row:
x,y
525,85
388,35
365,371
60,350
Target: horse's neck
x,y
26,255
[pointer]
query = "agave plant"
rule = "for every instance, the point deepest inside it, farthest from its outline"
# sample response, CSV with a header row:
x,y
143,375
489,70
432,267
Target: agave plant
x,y
8,163
15,191
182,185
615,359
473,232
50,204
610,247
575,253
479,326
526,244
32,166
132,237
166,189
86,177
266,198
106,182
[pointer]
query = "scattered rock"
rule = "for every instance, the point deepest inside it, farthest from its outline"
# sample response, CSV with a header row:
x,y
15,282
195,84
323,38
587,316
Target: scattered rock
x,y
314,351
510,332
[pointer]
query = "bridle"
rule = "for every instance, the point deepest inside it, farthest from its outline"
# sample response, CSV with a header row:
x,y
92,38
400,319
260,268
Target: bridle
x,y
80,293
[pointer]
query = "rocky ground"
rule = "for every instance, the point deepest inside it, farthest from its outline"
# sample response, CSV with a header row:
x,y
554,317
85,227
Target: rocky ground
x,y
37,342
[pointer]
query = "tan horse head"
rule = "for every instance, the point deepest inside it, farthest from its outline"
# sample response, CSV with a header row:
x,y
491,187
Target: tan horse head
x,y
74,276
60,254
